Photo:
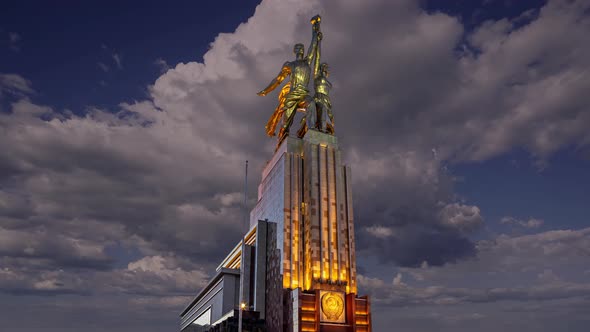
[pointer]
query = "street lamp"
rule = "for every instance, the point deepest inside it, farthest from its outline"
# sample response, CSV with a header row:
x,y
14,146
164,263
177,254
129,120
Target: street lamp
x,y
242,308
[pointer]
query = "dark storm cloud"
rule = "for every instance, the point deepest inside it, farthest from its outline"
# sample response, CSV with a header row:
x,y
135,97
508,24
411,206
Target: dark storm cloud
x,y
163,176
89,169
548,262
66,201
151,276
410,222
416,244
415,91
403,295
61,250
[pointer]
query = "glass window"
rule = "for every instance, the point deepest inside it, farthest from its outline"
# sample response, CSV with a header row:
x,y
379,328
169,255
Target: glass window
x,y
204,318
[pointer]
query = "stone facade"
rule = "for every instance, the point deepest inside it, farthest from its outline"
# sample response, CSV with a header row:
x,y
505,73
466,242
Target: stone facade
x,y
306,190
297,262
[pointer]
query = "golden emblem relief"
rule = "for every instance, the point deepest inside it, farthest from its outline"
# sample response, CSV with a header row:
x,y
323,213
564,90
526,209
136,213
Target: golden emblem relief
x,y
332,306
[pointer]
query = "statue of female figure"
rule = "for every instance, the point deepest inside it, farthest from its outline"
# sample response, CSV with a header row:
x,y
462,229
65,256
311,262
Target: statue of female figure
x,y
316,117
322,100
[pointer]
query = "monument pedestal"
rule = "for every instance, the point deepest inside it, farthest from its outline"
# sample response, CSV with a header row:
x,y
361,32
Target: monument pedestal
x,y
306,190
295,268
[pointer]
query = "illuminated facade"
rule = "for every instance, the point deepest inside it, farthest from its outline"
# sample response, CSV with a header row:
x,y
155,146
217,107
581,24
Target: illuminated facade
x,y
297,263
306,190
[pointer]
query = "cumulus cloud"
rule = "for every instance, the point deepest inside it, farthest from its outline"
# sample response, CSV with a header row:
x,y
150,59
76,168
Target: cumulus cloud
x,y
157,276
150,276
462,217
379,231
161,175
403,295
162,65
530,223
61,250
533,257
517,258
15,85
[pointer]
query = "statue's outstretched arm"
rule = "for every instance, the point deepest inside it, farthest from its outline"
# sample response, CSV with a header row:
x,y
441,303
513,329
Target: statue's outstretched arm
x,y
316,60
315,31
285,71
311,51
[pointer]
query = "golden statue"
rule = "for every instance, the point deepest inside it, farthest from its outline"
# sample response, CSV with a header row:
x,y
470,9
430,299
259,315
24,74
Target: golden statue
x,y
323,105
294,94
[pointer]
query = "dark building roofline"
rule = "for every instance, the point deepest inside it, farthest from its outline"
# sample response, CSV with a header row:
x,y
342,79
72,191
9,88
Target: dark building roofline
x,y
211,283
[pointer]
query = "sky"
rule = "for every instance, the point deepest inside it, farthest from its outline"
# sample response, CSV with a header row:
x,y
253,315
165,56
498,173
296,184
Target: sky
x,y
124,127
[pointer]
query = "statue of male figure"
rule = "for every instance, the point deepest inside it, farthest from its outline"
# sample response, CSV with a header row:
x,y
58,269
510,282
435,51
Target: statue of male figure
x,y
294,94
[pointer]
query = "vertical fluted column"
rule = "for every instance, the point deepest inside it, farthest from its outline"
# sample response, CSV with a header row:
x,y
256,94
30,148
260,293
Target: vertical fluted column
x,y
287,224
350,224
343,250
323,203
312,183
